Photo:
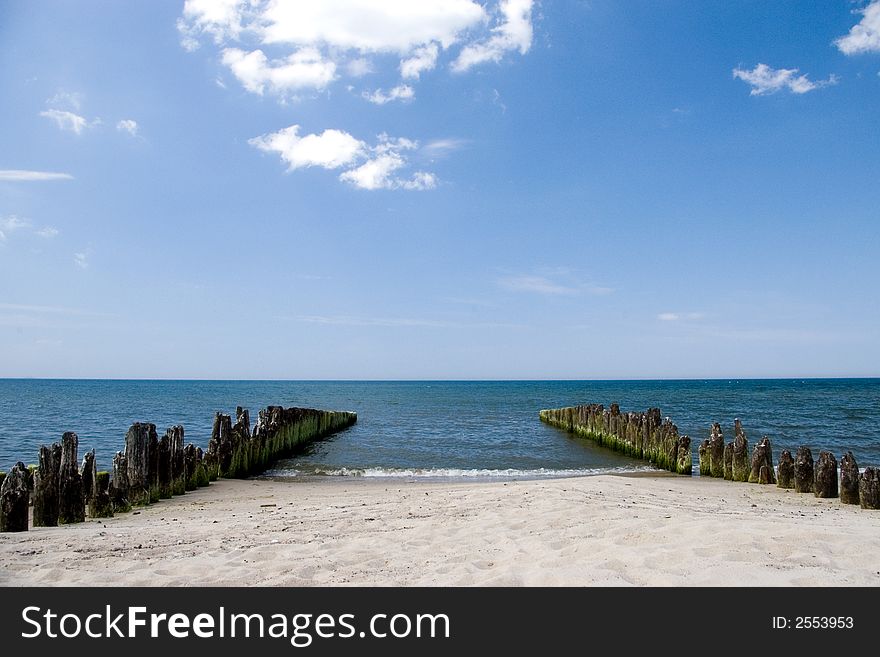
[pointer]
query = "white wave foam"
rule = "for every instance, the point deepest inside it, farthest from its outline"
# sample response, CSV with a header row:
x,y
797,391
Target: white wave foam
x,y
452,473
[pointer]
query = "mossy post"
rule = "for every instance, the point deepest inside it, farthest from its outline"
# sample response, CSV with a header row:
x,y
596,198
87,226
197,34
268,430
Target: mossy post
x,y
705,464
14,499
869,489
728,462
47,486
89,470
71,505
119,485
164,475
825,477
153,467
175,436
137,458
716,451
762,459
190,464
849,479
201,473
785,471
101,506
741,466
803,470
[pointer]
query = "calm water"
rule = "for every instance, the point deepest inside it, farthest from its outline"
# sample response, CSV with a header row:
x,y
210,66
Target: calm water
x,y
445,428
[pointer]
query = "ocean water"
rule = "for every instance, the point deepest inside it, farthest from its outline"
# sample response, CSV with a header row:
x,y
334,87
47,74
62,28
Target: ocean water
x,y
445,429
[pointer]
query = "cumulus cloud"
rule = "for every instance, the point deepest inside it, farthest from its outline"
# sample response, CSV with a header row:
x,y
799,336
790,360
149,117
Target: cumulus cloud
x,y
765,80
47,232
66,120
81,260
341,35
22,175
12,224
401,92
129,126
366,167
303,69
865,35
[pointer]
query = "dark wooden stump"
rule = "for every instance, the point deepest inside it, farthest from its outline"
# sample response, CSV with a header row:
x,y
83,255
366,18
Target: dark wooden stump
x,y
201,473
716,451
728,461
190,465
119,486
47,486
705,464
741,465
825,477
684,457
762,457
178,469
849,479
137,457
153,467
101,506
165,473
71,504
869,488
14,500
803,470
88,473
786,470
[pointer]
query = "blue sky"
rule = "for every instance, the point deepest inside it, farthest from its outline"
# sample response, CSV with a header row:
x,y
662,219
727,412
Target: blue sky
x,y
457,189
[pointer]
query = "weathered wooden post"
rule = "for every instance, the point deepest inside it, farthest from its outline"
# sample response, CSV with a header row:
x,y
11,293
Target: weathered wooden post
x,y
849,479
119,486
178,469
786,470
762,462
88,472
137,456
684,457
189,458
728,461
153,467
71,506
165,473
803,470
825,477
2,477
741,464
14,499
869,489
716,451
705,463
31,471
101,506
47,486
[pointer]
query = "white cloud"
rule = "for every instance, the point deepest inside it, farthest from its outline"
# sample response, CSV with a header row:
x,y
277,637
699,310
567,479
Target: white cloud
x,y
439,148
48,232
422,59
538,284
402,92
513,33
765,80
331,149
365,167
865,35
303,69
128,125
72,100
674,317
66,120
12,223
358,68
81,260
21,175
222,19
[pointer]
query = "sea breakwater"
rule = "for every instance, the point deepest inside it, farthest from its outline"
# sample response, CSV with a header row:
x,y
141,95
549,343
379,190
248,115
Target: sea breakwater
x,y
647,436
150,468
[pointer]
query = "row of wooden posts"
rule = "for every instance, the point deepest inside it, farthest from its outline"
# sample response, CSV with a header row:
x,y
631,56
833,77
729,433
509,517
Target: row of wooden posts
x,y
646,436
150,468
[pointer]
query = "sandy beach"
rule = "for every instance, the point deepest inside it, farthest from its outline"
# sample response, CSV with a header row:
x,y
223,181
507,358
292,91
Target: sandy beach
x,y
600,530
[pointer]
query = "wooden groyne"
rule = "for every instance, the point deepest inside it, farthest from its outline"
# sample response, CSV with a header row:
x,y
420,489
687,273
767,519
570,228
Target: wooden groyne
x,y
645,435
151,468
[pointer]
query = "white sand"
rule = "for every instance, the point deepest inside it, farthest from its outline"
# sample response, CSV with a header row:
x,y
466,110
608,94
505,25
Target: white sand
x,y
606,530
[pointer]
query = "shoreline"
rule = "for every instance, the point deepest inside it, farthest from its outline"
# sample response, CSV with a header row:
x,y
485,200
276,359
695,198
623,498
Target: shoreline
x,y
638,530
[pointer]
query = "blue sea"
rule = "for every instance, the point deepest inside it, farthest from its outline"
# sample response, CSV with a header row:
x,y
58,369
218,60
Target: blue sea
x,y
442,428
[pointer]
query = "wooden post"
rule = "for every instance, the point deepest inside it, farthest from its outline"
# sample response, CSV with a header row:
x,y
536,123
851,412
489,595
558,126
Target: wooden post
x,y
762,457
71,506
728,461
153,467
14,499
88,473
178,469
716,451
825,478
137,457
803,470
190,464
705,463
119,486
741,464
47,486
101,506
786,470
165,474
869,489
849,479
